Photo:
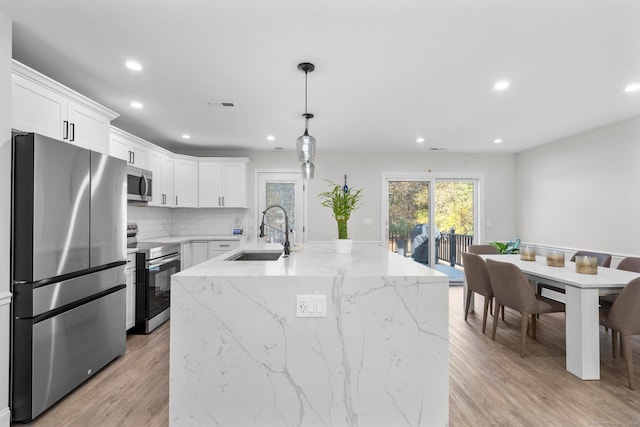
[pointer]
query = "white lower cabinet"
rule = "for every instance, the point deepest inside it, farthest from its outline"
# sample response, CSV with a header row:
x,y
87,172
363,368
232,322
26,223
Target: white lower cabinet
x,y
130,275
193,253
218,247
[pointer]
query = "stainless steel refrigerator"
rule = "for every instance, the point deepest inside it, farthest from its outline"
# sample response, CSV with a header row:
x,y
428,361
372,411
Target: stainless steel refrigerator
x,y
68,258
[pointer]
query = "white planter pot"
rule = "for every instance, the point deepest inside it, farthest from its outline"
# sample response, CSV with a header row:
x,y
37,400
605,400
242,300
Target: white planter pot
x,y
343,246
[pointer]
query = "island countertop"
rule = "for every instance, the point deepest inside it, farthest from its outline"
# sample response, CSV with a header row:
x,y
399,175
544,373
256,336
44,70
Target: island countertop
x,y
316,259
378,355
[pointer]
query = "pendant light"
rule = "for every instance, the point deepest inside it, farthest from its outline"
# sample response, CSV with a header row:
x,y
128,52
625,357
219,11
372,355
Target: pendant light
x,y
306,144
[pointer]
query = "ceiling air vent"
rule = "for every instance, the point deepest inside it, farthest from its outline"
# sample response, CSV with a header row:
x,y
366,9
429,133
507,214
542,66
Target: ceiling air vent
x,y
221,104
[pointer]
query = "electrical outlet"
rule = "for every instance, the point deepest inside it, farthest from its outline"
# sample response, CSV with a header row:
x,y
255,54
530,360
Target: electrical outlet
x,y
311,306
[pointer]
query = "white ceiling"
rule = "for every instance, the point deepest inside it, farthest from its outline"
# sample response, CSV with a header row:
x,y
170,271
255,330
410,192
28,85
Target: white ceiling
x,y
387,72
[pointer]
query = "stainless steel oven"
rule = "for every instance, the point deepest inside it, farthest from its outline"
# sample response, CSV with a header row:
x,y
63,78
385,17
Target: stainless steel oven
x,y
139,185
155,264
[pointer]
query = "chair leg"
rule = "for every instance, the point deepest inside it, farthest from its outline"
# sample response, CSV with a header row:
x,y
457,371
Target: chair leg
x,y
524,323
496,317
626,341
467,304
491,306
484,313
533,326
614,343
503,313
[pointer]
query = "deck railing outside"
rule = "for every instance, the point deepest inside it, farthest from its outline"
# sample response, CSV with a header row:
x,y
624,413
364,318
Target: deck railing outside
x,y
449,248
452,246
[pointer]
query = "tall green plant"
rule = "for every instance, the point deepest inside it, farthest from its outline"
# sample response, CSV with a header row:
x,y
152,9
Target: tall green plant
x,y
342,203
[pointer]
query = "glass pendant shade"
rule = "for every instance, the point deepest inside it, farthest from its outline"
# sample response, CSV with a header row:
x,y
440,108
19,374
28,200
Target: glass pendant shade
x,y
307,170
306,147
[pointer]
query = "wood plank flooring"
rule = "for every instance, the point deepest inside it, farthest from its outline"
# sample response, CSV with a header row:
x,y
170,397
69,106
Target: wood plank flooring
x,y
133,390
490,385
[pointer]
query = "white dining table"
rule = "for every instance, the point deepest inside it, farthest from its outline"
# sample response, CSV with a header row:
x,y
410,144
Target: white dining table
x,y
582,306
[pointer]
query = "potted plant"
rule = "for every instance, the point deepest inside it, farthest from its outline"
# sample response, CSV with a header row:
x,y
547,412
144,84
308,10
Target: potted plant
x,y
342,201
510,247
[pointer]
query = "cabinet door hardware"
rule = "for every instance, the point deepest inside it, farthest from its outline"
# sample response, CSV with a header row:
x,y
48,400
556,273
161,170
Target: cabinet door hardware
x,y
73,132
65,130
176,200
222,200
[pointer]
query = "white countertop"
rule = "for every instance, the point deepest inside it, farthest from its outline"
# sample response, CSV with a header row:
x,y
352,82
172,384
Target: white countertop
x,y
377,356
193,238
316,259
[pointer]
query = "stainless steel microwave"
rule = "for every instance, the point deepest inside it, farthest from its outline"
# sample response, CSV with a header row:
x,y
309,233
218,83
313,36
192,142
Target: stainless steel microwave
x,y
139,184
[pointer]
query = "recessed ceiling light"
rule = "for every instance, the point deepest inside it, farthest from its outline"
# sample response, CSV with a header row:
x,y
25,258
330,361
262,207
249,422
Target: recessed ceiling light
x,y
186,136
271,138
134,65
501,85
420,140
633,87
497,141
136,104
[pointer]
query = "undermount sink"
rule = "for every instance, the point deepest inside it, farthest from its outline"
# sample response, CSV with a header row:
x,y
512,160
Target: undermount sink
x,y
255,256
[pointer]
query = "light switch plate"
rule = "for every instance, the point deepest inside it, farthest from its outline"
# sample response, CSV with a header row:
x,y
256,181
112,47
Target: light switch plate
x,y
311,306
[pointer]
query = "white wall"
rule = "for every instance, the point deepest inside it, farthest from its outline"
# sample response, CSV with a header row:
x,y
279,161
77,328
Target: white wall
x,y
581,192
5,213
364,170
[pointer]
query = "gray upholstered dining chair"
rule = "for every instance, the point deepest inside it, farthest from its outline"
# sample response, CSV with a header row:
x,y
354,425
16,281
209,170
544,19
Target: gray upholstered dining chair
x,y
478,281
511,288
627,264
623,317
483,249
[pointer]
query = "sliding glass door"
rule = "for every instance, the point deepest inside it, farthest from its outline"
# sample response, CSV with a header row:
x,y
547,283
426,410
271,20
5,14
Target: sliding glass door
x,y
418,206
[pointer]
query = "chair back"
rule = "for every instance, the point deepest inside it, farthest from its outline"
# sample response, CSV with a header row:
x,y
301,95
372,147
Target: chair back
x,y
630,264
476,274
604,260
624,315
482,250
511,287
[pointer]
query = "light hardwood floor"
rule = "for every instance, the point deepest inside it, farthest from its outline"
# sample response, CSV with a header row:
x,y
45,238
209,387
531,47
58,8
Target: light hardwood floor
x,y
490,385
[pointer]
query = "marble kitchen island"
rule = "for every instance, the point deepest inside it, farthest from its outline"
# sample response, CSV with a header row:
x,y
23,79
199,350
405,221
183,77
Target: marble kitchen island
x,y
239,356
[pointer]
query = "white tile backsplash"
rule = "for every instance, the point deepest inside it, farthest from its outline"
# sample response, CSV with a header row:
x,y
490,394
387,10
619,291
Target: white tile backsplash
x,y
156,222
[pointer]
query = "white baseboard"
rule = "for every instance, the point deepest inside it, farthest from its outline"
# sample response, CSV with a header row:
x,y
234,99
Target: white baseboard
x,y
5,417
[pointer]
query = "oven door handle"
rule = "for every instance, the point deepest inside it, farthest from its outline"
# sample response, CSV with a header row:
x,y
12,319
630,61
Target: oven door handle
x,y
159,262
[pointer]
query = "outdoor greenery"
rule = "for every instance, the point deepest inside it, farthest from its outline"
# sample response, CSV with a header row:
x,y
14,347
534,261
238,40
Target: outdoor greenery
x,y
409,201
342,203
283,194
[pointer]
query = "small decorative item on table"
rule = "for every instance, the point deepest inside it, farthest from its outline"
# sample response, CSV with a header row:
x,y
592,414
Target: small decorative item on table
x,y
555,259
527,253
587,265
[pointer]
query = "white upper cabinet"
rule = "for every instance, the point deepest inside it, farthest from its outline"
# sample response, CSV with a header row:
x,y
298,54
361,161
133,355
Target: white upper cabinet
x,y
161,164
126,146
41,105
222,182
186,181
